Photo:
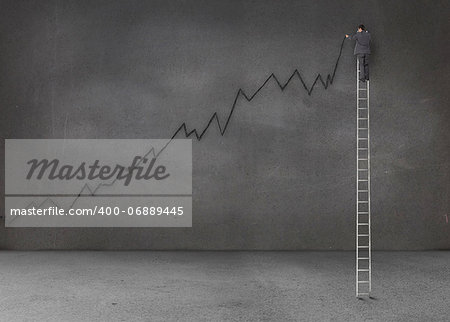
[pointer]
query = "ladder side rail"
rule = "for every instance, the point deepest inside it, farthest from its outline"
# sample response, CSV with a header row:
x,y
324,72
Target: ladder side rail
x,y
368,185
357,176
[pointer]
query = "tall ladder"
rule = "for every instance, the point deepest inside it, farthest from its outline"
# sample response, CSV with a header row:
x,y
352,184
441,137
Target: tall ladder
x,y
363,238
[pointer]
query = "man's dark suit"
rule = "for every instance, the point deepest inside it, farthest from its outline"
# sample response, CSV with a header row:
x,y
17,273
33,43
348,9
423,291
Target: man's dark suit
x,y
362,51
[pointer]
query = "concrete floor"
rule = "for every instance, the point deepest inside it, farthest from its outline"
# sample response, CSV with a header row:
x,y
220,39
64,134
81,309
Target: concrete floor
x,y
220,286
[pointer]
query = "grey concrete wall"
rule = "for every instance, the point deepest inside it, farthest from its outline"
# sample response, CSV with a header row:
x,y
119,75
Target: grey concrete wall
x,y
283,174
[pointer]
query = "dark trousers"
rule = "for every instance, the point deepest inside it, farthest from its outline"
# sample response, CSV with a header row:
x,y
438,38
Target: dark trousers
x,y
364,66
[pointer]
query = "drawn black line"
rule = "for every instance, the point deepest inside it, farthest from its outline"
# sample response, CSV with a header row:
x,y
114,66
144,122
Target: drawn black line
x,y
200,134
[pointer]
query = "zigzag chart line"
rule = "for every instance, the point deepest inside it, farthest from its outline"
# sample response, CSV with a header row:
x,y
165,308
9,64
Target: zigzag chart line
x,y
215,117
319,78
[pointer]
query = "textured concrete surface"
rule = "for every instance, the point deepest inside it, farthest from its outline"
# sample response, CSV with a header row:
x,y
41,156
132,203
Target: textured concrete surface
x,y
283,175
220,286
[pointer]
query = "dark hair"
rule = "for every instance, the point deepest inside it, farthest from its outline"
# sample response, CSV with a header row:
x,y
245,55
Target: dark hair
x,y
362,27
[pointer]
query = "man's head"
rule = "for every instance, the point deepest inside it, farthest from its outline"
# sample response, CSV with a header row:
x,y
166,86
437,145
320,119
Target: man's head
x,y
361,28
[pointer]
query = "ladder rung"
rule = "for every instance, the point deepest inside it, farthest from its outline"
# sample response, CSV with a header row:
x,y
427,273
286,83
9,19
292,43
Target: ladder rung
x,y
363,89
363,281
363,190
363,235
363,246
362,148
364,201
362,118
362,108
363,212
363,159
363,258
363,169
363,180
363,270
363,128
363,224
362,98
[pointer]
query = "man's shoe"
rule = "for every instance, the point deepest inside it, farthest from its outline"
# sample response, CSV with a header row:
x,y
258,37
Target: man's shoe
x,y
362,80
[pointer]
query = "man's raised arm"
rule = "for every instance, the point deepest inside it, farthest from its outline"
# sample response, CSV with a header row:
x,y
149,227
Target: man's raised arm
x,y
352,36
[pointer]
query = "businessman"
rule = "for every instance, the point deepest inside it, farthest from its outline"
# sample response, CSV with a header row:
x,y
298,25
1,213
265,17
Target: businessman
x,y
362,50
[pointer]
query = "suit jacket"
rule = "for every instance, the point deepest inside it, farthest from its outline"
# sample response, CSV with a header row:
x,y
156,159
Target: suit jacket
x,y
362,45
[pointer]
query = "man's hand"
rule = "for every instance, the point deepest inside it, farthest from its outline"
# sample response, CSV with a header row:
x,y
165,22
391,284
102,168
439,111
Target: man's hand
x,y
346,36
